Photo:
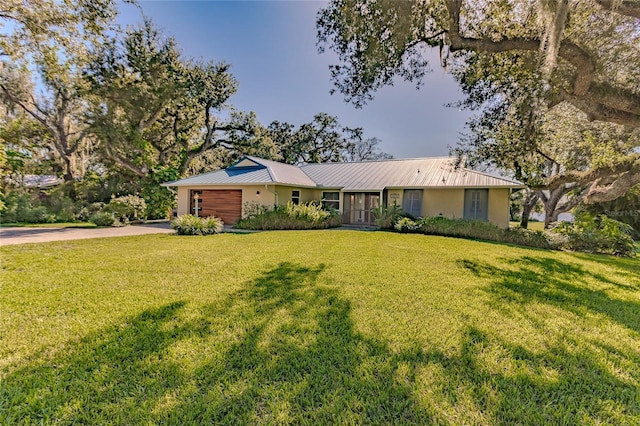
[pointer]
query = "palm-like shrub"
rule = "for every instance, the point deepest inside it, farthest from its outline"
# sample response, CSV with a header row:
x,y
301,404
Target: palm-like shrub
x,y
188,224
290,216
597,234
385,217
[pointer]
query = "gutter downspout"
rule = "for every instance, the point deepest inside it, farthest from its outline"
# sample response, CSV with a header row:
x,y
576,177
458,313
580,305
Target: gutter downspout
x,y
266,186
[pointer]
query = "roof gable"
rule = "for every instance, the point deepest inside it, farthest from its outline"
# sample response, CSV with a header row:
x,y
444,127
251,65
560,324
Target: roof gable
x,y
246,162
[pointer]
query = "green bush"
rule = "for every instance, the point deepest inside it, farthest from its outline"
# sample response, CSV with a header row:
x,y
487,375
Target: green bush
x,y
597,234
385,217
60,204
87,211
102,219
38,214
128,208
473,229
405,224
188,224
16,207
290,216
587,234
25,208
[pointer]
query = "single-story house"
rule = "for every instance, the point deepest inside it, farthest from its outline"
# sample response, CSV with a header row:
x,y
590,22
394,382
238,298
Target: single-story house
x,y
421,186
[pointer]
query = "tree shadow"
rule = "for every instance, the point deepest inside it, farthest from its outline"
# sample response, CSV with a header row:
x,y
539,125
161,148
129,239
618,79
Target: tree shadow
x,y
564,285
300,360
285,350
109,374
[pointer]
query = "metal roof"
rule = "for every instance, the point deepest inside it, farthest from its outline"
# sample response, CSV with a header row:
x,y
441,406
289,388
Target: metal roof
x,y
255,171
284,173
405,173
362,176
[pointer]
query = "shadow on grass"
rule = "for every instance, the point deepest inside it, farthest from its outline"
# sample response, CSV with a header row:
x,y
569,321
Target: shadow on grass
x,y
557,283
285,350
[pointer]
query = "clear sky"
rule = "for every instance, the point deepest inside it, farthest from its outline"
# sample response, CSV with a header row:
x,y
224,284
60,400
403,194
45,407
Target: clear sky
x,y
271,46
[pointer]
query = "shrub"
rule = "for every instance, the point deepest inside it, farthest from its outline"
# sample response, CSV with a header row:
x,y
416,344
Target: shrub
x,y
474,229
588,234
597,234
405,224
22,207
290,216
385,217
38,214
60,204
16,207
102,219
87,211
128,208
188,224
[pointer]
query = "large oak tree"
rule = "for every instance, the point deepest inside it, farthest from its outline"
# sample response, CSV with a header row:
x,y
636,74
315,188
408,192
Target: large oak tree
x,y
48,42
516,61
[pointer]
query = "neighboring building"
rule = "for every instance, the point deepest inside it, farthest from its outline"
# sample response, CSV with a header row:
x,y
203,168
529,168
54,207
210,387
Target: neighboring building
x,y
421,186
34,181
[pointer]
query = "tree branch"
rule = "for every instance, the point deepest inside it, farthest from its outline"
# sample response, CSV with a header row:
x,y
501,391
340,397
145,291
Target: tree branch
x,y
605,183
599,101
123,161
29,111
626,7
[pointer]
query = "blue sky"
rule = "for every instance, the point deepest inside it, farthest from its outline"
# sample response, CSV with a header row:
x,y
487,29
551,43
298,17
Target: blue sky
x,y
271,46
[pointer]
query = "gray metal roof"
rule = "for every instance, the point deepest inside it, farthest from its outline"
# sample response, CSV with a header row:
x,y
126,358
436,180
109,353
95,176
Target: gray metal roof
x,y
285,173
406,173
363,176
256,171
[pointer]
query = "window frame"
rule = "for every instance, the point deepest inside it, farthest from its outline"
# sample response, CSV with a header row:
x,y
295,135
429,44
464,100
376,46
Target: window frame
x,y
295,198
476,204
331,202
412,198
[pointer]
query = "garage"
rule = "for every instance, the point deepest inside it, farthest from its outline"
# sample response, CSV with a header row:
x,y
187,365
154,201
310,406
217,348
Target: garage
x,y
225,204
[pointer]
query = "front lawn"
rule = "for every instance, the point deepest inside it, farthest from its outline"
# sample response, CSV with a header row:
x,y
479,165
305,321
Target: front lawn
x,y
316,327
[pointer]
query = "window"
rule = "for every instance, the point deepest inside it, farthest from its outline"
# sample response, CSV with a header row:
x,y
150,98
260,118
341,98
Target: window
x,y
295,197
412,202
476,204
331,200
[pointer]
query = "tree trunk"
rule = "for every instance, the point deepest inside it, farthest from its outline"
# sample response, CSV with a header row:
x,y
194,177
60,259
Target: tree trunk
x,y
527,207
551,203
68,168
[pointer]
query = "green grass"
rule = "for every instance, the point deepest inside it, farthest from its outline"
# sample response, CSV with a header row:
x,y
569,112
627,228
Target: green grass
x,y
316,327
50,225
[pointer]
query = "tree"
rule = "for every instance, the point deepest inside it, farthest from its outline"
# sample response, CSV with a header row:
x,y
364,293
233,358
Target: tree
x,y
50,39
515,60
157,116
323,140
365,150
522,203
154,109
573,157
625,209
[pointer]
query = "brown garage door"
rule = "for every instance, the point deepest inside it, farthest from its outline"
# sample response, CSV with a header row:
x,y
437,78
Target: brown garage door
x,y
223,203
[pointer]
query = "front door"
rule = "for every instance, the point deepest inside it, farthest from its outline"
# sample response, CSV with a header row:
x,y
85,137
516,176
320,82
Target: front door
x,y
358,206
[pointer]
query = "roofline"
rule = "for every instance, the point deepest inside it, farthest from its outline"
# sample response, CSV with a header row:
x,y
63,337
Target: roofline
x,y
378,161
491,176
172,184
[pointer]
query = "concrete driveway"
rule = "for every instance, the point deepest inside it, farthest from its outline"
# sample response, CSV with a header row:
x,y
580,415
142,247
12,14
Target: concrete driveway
x,y
11,236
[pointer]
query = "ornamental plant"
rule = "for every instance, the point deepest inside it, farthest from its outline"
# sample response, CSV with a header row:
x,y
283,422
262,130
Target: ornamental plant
x,y
188,224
